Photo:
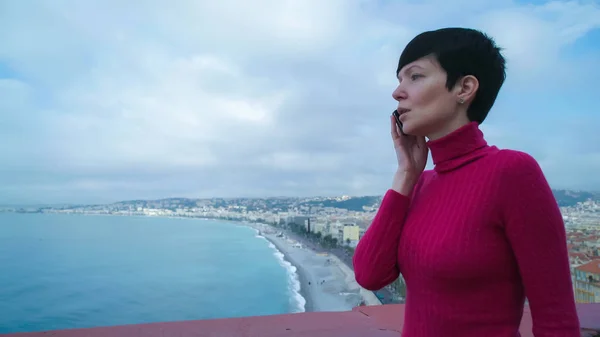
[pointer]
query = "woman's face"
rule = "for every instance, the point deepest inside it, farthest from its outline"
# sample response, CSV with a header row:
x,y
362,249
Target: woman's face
x,y
425,105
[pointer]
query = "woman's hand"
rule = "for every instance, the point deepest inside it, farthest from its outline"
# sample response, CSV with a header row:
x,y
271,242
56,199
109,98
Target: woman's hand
x,y
411,152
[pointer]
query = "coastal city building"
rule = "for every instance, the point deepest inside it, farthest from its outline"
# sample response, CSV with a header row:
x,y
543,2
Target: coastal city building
x,y
587,282
351,234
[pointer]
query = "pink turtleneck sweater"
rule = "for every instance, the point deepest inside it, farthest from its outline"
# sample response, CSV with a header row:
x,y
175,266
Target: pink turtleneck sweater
x,y
481,232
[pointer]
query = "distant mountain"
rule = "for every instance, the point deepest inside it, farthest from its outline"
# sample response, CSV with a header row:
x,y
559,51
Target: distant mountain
x,y
362,203
351,204
563,198
571,198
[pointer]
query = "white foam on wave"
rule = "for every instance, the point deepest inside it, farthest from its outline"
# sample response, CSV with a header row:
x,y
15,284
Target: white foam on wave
x,y
293,278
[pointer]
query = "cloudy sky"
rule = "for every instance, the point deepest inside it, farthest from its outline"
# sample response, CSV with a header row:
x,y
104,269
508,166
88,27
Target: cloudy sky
x,y
110,100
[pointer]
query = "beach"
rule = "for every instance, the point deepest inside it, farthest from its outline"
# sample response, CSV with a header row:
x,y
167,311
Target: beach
x,y
326,283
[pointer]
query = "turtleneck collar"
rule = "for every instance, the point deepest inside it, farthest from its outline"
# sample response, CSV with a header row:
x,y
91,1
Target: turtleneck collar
x,y
458,148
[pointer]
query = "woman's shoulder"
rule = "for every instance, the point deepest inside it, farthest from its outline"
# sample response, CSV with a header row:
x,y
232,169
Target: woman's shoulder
x,y
510,157
515,164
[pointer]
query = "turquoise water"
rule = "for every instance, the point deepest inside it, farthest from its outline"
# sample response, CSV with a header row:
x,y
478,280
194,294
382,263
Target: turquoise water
x,y
74,271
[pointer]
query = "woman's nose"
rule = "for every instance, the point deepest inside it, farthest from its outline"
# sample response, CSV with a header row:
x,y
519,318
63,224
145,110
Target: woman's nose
x,y
399,93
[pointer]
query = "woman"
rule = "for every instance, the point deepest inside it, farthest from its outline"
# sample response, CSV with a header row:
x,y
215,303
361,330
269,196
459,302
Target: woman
x,y
481,231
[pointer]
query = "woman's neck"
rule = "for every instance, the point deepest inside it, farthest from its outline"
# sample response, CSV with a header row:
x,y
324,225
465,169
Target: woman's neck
x,y
450,127
458,147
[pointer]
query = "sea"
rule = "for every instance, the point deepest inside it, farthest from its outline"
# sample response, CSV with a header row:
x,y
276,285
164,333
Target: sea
x,y
62,271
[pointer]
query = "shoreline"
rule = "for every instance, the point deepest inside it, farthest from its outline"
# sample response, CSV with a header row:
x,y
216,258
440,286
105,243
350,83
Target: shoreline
x,y
300,272
326,283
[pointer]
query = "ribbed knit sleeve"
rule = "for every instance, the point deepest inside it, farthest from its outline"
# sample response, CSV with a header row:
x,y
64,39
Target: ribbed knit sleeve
x,y
536,232
375,259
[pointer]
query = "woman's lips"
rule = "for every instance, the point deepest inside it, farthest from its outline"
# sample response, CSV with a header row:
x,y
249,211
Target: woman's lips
x,y
402,112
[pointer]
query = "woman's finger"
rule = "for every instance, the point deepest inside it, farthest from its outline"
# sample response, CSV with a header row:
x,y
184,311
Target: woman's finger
x,y
421,142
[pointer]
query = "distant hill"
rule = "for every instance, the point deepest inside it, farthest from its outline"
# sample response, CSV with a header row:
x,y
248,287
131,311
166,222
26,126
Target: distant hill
x,y
352,204
571,198
563,197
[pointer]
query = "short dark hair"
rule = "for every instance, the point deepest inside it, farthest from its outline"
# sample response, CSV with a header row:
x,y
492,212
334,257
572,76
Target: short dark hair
x,y
461,52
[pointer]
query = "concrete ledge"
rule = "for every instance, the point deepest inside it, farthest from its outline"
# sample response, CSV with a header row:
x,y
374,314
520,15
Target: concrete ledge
x,y
373,321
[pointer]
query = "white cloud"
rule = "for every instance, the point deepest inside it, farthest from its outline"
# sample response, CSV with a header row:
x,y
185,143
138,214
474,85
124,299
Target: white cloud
x,y
533,37
140,98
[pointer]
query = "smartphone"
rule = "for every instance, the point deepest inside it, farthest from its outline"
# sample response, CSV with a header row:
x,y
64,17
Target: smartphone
x,y
398,122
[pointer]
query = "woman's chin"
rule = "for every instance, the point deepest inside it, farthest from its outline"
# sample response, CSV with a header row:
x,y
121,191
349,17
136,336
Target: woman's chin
x,y
410,129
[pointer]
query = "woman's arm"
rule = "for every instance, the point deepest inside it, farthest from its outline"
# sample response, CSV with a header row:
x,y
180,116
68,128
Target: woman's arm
x,y
536,231
375,259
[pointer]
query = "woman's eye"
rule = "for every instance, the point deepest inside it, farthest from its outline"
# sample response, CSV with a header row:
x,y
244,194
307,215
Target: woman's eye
x,y
415,76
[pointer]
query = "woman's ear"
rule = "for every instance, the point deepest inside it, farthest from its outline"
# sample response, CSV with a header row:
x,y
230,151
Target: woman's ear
x,y
467,88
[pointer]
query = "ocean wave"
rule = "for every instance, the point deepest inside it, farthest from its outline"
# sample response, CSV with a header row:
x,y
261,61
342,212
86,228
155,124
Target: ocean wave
x,y
293,278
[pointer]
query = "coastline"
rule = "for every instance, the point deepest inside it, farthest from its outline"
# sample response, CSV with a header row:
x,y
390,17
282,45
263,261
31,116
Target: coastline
x,y
300,272
326,283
